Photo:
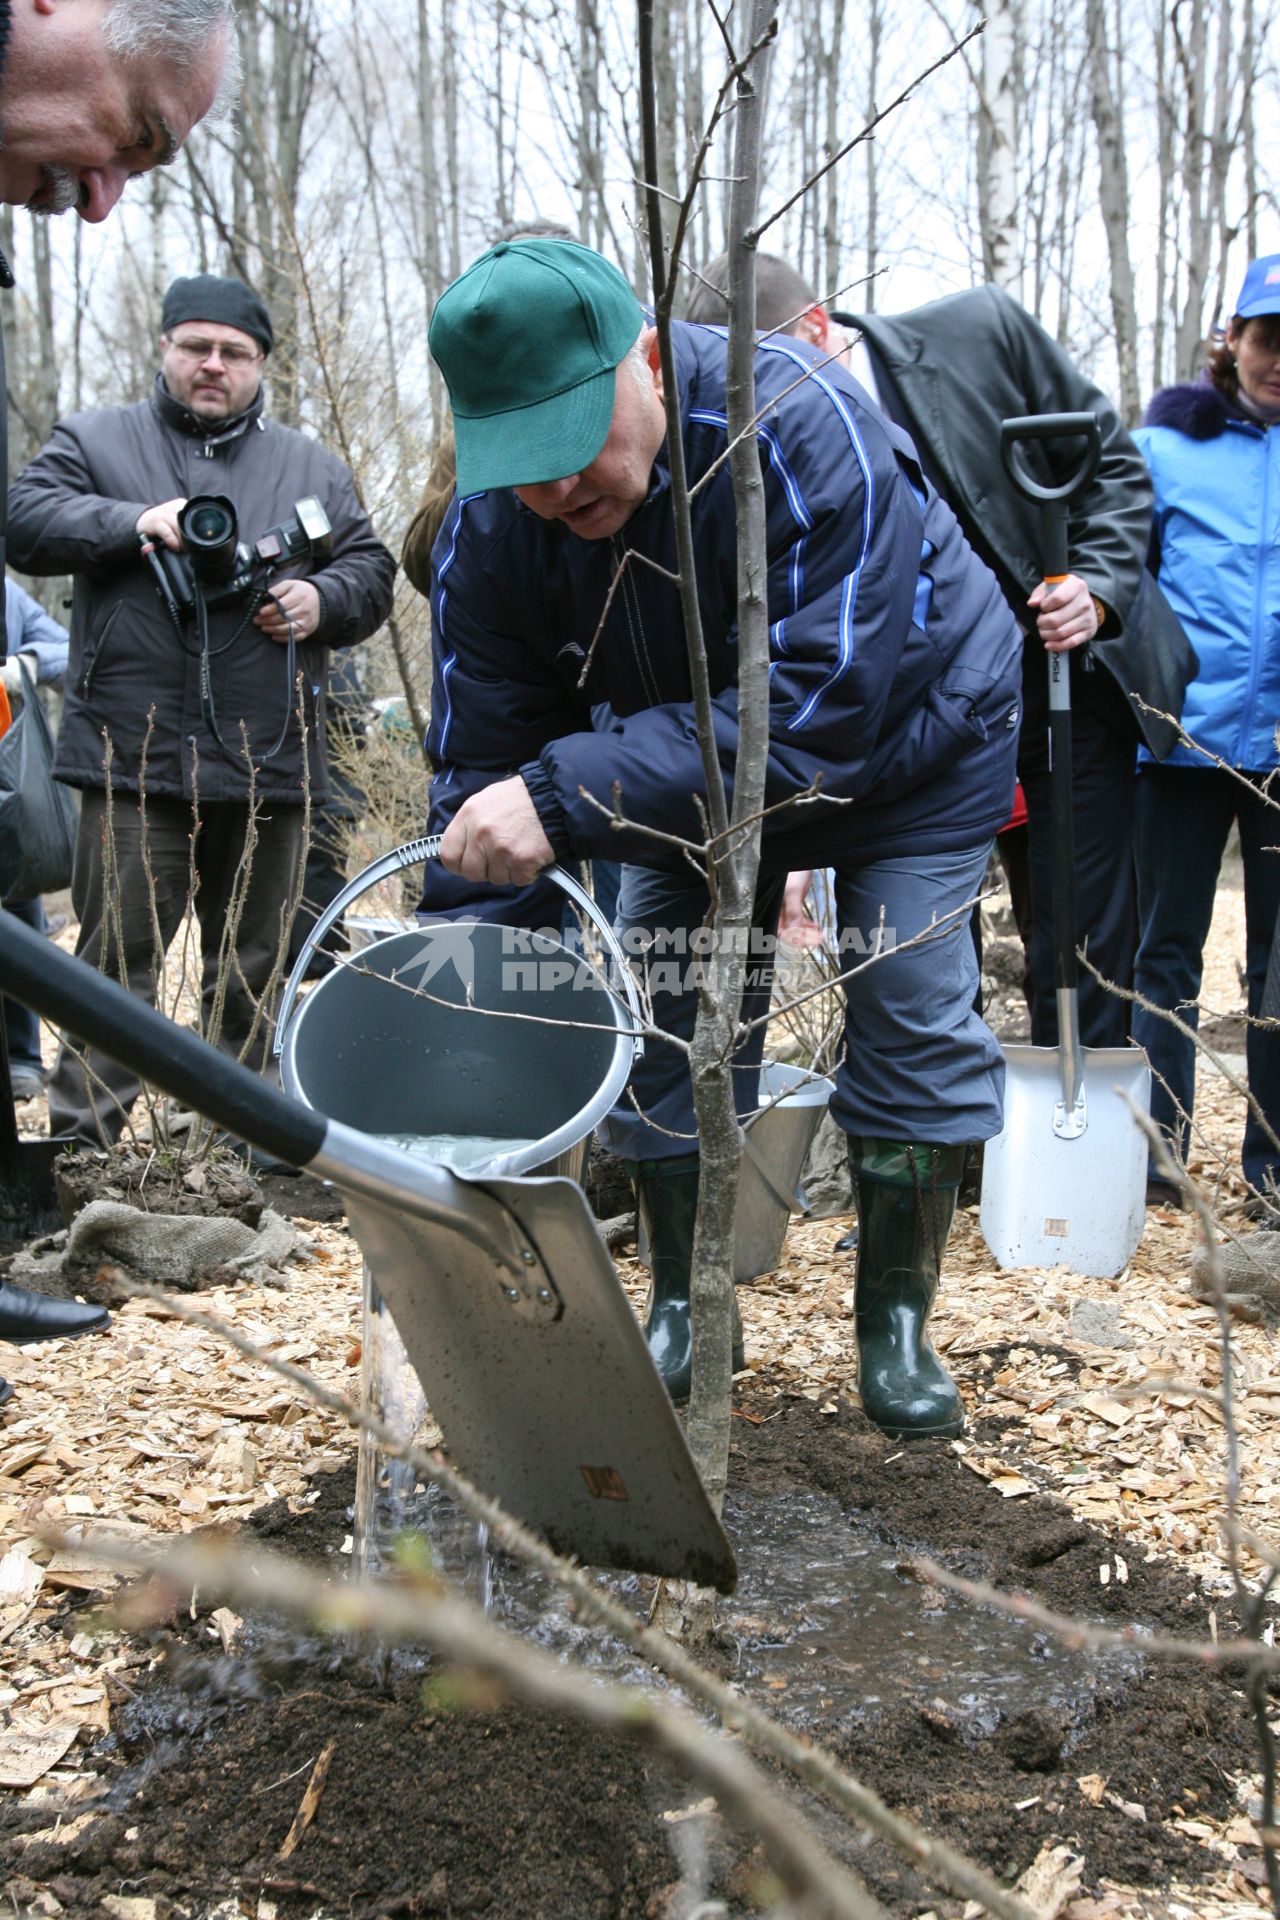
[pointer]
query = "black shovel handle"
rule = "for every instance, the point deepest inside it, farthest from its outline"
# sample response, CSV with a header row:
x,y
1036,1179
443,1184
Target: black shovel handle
x,y
74,996
1055,499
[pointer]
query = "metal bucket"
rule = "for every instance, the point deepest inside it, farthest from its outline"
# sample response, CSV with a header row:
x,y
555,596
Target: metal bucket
x,y
775,1145
463,1029
453,1031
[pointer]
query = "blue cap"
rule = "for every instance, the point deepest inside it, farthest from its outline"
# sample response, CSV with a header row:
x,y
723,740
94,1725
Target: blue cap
x,y
1261,290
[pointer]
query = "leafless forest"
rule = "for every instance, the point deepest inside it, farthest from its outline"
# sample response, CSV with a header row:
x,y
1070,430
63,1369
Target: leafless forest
x,y
1100,160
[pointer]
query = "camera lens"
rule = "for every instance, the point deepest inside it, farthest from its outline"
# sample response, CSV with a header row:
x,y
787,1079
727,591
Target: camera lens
x,y
209,532
209,526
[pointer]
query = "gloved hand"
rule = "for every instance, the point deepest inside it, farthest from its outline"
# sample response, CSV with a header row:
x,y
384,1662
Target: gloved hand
x,y
13,675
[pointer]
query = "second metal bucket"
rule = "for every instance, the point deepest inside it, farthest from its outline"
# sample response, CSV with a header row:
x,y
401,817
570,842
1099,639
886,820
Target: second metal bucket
x,y
775,1145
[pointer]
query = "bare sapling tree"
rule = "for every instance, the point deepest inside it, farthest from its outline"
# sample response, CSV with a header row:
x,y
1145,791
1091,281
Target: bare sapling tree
x,y
733,826
733,855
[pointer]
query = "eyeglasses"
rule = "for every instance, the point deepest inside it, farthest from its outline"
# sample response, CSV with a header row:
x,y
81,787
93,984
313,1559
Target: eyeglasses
x,y
198,350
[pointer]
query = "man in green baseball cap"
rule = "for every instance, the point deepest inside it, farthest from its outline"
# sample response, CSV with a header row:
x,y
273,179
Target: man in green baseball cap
x,y
547,357
563,728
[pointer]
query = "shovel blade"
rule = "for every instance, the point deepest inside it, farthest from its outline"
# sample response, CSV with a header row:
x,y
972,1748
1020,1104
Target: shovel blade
x,y
561,1415
1079,1203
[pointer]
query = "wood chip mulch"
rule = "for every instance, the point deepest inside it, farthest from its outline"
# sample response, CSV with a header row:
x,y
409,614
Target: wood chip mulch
x,y
1103,1392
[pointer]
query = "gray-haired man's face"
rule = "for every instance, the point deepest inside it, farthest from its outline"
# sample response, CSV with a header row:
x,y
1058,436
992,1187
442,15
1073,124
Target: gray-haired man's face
x,y
77,124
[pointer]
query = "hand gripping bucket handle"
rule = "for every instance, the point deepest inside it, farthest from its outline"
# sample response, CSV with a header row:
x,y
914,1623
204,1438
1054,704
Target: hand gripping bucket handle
x,y
412,854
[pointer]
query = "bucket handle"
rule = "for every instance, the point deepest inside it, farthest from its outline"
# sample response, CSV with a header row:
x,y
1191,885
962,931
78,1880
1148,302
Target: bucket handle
x,y
412,854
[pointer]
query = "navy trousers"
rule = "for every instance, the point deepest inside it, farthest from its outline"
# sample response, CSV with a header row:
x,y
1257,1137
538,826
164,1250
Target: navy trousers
x,y
1183,817
919,1064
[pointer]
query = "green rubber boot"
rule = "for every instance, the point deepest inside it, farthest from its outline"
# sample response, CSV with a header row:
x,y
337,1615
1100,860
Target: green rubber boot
x,y
667,1196
906,1200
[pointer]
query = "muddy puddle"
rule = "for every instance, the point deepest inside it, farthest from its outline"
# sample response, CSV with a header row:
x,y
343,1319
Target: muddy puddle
x,y
828,1623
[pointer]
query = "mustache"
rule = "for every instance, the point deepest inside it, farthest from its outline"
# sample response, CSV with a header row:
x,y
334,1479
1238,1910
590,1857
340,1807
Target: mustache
x,y
58,192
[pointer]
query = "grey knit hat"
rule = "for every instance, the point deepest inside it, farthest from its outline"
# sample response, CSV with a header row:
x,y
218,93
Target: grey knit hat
x,y
208,296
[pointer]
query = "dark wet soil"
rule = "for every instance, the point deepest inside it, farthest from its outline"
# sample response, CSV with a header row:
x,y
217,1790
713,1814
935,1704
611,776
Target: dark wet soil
x,y
495,1809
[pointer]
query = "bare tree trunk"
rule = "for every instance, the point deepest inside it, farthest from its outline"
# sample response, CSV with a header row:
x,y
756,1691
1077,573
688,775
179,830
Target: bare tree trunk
x,y
1191,48
77,325
1165,168
737,866
1221,147
452,171
695,118
998,145
668,110
278,56
1113,175
875,34
1248,128
429,217
501,211
829,278
45,398
589,185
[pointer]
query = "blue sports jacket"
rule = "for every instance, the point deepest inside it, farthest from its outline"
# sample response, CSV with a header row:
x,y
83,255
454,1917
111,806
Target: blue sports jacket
x,y
895,662
1216,534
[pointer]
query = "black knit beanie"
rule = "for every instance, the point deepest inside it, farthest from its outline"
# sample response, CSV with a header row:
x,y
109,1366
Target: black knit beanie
x,y
207,296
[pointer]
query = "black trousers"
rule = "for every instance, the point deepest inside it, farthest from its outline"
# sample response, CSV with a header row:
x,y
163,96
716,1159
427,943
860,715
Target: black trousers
x,y
131,897
1104,753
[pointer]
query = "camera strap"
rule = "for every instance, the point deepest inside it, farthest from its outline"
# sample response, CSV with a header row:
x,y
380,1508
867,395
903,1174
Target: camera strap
x,y
208,712
205,653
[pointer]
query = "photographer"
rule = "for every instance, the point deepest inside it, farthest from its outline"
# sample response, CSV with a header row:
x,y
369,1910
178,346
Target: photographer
x,y
199,651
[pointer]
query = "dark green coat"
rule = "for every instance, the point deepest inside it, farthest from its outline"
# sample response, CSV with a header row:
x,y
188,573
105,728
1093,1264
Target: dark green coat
x,y
958,367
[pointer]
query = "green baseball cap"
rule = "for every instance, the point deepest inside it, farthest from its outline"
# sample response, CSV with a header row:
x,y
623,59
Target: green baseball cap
x,y
528,340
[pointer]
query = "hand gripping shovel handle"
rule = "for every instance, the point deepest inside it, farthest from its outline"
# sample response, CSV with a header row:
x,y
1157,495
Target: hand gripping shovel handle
x,y
1055,497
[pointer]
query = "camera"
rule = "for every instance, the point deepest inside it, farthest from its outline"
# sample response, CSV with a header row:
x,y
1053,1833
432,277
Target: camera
x,y
218,566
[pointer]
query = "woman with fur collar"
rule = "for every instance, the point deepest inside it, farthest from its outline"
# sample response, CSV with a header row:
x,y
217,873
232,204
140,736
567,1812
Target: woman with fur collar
x,y
1213,447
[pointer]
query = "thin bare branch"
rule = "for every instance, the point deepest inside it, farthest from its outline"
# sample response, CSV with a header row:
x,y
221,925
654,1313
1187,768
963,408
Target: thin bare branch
x,y
763,226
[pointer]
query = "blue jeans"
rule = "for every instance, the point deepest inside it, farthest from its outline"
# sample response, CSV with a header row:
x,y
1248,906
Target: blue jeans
x,y
919,1064
1183,817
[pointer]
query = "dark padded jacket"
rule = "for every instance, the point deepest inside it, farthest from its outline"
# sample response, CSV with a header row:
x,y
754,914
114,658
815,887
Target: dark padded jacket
x,y
957,368
895,661
74,510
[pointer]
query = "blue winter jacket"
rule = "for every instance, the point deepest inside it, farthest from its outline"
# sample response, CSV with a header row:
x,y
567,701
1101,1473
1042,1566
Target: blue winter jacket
x,y
1216,536
895,673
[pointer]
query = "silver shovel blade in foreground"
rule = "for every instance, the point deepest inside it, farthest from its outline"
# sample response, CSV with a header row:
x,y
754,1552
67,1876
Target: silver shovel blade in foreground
x,y
1052,1196
537,1371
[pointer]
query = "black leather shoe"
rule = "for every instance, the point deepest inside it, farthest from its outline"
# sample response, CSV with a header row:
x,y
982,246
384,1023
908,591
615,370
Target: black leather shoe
x,y
27,1317
6,1391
